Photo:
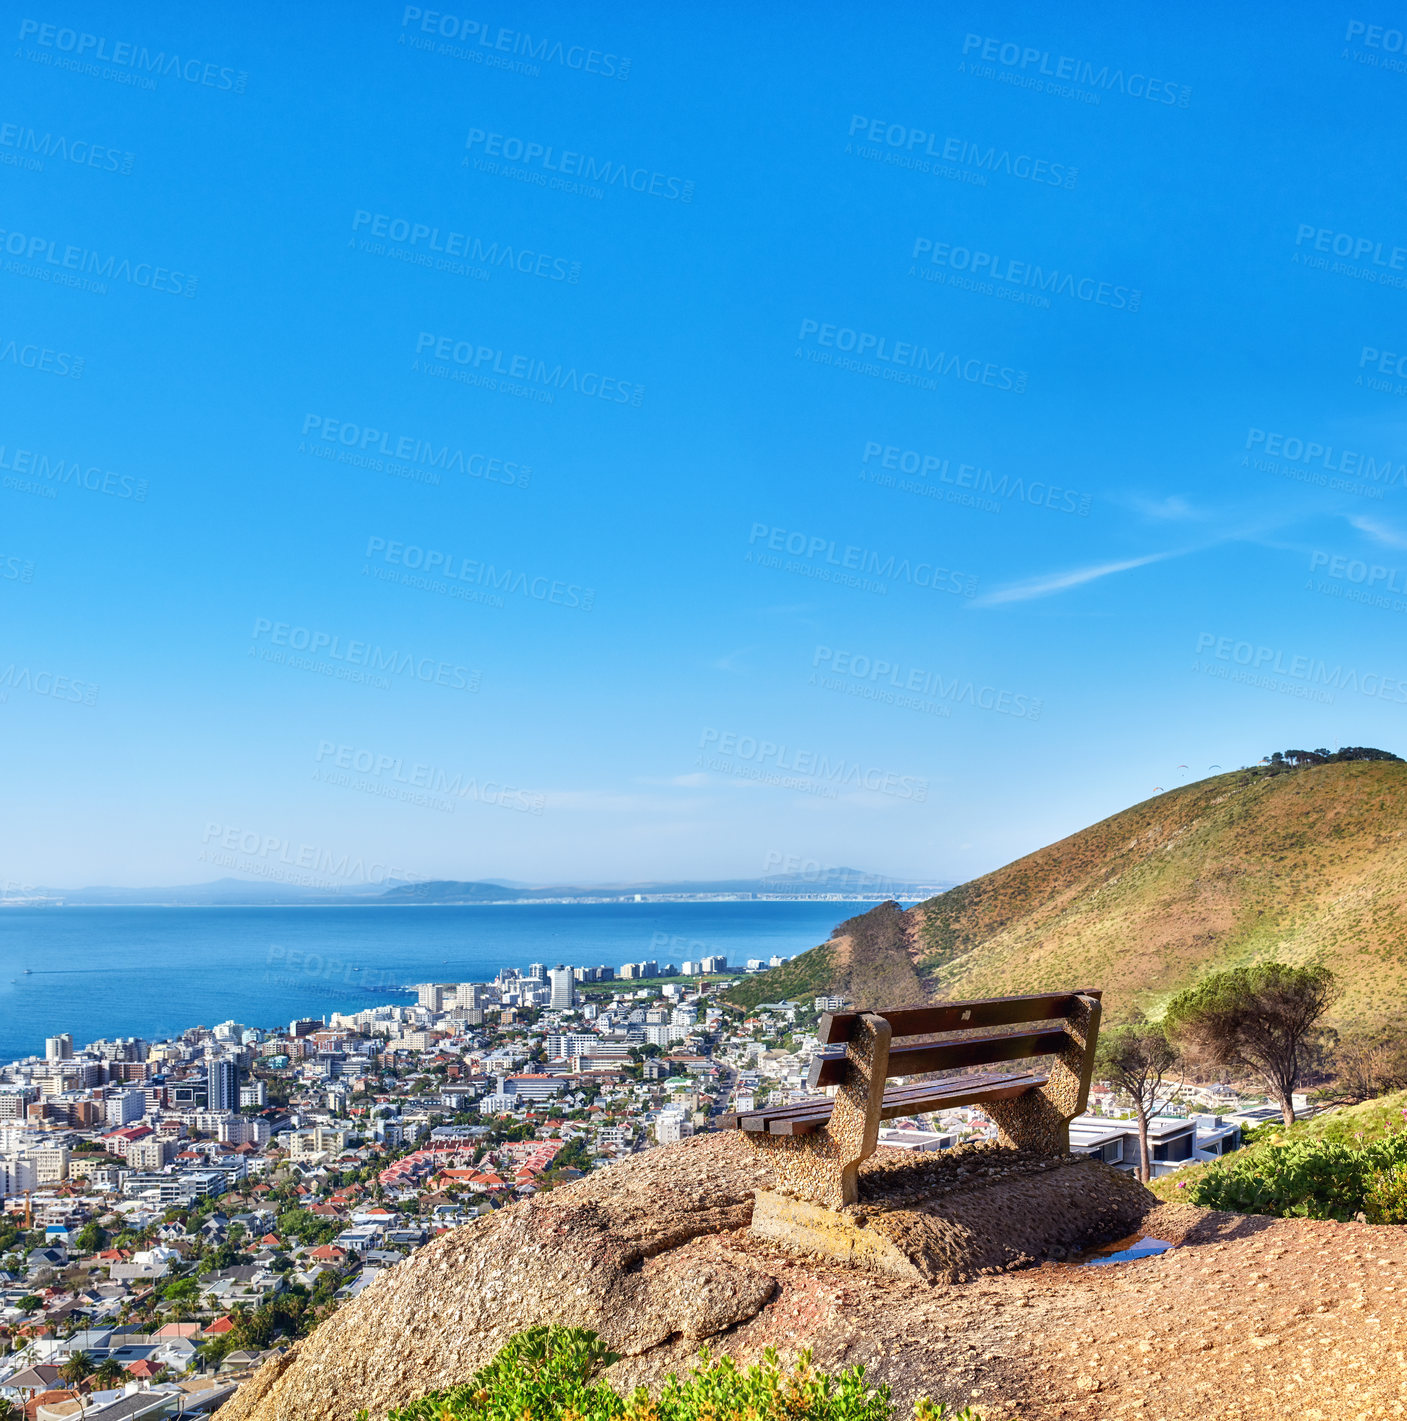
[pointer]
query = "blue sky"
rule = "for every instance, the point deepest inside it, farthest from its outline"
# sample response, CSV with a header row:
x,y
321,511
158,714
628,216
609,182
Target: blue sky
x,y
578,443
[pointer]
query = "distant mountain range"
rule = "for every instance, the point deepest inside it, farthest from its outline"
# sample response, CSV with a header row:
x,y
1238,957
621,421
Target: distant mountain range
x,y
1297,865
834,885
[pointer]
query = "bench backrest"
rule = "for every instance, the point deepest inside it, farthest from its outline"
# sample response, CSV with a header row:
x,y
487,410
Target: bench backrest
x,y
960,1052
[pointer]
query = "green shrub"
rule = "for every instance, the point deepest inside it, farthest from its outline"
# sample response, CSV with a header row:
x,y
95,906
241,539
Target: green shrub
x,y
551,1374
1386,1199
1311,1179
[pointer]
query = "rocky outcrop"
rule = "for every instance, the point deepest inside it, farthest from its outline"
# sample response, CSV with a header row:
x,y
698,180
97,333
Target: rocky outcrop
x,y
655,1255
951,1217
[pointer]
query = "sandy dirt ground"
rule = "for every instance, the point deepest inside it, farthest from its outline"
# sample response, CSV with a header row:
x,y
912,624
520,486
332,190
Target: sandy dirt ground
x,y
1245,1318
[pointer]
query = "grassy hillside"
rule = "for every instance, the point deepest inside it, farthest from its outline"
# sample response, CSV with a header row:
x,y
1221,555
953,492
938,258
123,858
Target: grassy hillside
x,y
1304,865
869,960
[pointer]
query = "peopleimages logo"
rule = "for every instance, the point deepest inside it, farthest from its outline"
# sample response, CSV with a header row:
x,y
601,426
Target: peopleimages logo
x,y
488,365
1346,244
921,147
268,634
23,466
925,464
860,561
1317,456
886,678
28,146
99,49
1350,254
771,758
507,256
418,783
1261,663
902,361
991,266
46,683
1026,59
565,163
439,563
279,853
43,358
53,259
494,40
375,445
1384,362
1390,579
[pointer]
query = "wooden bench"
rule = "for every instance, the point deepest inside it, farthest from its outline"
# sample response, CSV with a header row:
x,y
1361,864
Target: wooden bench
x,y
819,1143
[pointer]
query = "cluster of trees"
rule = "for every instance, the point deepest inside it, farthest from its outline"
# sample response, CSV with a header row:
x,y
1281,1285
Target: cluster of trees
x,y
290,1314
1263,1021
1297,759
306,1228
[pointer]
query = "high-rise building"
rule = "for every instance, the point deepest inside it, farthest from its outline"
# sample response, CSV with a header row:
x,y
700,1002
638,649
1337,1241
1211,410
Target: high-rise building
x,y
253,1093
563,988
13,1100
50,1165
537,972
714,964
125,1105
222,1090
431,995
58,1048
469,994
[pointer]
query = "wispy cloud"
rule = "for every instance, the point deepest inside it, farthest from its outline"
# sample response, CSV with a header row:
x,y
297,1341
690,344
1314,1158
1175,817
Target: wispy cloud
x,y
732,661
1380,532
1051,583
1172,509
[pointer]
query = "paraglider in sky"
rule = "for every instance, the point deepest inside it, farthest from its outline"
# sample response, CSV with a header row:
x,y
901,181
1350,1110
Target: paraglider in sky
x,y
1211,768
1157,789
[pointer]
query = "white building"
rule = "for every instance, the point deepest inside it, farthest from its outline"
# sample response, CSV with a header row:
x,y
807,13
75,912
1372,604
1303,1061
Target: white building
x,y
1172,1141
431,995
50,1165
122,1107
16,1174
305,1146
239,1130
672,1126
563,987
534,1087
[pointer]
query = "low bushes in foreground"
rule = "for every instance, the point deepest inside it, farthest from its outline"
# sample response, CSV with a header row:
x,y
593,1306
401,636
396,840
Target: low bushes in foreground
x,y
553,1374
1311,1179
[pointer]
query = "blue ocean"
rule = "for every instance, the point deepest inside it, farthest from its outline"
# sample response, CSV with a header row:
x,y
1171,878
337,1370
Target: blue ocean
x,y
153,972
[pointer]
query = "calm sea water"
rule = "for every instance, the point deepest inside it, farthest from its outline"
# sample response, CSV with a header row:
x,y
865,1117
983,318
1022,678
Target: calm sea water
x,y
153,972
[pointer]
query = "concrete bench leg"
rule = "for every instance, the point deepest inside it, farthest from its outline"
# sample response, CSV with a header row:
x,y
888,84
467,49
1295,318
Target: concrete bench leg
x,y
1040,1120
825,1167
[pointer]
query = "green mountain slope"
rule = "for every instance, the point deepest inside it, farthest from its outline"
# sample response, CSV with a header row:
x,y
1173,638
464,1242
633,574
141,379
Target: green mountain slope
x,y
1304,865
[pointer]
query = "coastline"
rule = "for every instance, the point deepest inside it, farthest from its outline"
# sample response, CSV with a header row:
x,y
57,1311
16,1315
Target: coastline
x,y
126,970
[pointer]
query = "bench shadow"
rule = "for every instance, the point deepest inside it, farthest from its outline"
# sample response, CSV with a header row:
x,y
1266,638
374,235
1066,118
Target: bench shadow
x,y
1219,1227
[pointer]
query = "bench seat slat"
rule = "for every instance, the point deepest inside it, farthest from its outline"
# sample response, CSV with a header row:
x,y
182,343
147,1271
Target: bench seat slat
x,y
836,1027
923,1057
805,1117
